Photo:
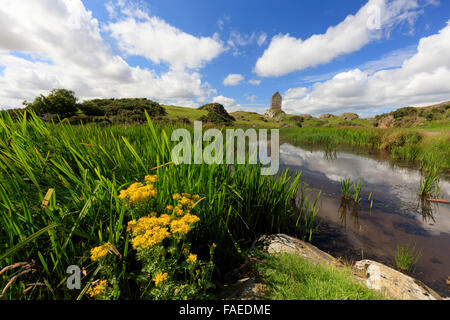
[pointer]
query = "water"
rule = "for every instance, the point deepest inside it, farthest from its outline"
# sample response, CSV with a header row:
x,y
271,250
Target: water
x,y
397,218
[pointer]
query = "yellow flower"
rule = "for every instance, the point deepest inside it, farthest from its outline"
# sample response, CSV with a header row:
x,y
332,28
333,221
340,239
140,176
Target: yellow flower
x,y
192,258
170,208
178,211
190,218
160,277
179,226
151,179
176,196
150,238
214,245
185,251
138,192
100,251
98,289
186,195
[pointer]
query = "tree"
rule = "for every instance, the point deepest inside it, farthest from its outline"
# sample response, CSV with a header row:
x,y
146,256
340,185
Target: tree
x,y
60,102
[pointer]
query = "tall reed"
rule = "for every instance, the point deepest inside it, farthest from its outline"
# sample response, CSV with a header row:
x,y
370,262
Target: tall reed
x,y
87,166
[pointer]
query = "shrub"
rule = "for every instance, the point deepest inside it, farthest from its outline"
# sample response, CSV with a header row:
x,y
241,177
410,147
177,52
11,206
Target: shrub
x,y
89,108
61,102
216,114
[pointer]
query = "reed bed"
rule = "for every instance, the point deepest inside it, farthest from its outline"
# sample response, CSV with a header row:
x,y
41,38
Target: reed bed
x,y
59,187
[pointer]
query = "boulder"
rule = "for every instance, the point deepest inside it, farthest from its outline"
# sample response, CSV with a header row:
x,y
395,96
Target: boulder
x,y
327,116
394,283
281,243
349,116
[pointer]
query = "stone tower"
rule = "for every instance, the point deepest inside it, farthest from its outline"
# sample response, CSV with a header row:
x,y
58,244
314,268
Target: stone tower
x,y
276,102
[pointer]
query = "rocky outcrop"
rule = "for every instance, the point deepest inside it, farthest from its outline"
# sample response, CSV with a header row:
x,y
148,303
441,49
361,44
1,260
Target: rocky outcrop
x,y
349,116
327,116
386,122
274,114
393,283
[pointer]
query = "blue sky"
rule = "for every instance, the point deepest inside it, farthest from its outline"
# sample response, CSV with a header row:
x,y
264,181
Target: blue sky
x,y
322,56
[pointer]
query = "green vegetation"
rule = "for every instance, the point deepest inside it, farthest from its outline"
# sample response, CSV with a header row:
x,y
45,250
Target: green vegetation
x,y
429,183
60,197
402,144
406,258
357,187
346,188
306,221
289,277
60,102
216,114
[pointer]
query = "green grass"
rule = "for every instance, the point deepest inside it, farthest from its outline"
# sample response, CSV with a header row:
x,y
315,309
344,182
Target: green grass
x,y
346,188
290,277
429,183
406,258
87,166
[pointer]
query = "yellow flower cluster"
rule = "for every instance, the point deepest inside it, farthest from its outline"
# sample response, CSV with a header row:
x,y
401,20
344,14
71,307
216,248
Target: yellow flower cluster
x,y
138,191
192,258
151,179
98,289
148,231
183,225
100,251
160,277
185,203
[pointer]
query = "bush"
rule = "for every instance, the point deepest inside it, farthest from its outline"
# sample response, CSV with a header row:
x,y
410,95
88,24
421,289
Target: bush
x,y
216,114
403,112
61,102
89,108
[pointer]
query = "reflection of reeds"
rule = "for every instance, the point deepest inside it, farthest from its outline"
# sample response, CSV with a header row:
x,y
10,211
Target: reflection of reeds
x,y
406,258
427,210
343,208
330,152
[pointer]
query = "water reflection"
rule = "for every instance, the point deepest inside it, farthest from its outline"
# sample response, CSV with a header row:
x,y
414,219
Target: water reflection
x,y
398,216
394,188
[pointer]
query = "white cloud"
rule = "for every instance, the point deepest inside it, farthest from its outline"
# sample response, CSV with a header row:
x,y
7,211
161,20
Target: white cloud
x,y
239,40
233,79
61,46
262,39
254,82
421,79
287,54
153,38
228,103
295,93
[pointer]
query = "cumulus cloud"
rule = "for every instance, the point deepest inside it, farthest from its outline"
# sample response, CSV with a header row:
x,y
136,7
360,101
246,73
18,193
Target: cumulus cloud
x,y
63,47
153,38
228,103
421,79
287,54
233,79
